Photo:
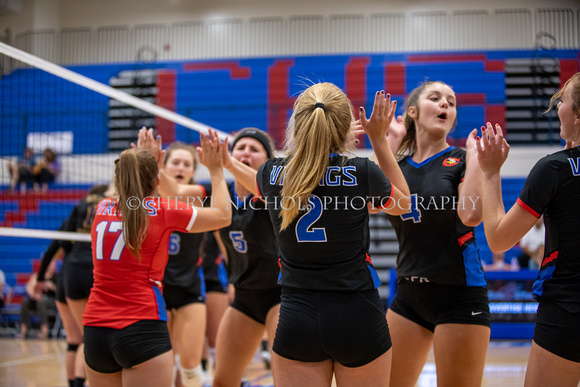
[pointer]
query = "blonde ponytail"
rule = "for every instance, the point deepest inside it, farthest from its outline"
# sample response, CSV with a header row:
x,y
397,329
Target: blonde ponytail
x,y
320,125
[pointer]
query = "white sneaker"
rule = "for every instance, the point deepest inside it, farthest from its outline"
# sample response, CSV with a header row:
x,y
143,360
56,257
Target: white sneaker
x,y
207,378
266,358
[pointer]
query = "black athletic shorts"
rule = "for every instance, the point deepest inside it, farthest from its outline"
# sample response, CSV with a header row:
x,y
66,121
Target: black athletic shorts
x,y
215,287
347,327
109,350
430,304
175,297
60,297
215,276
78,281
558,330
256,303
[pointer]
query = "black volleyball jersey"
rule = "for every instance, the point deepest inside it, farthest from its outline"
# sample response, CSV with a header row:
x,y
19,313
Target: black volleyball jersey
x,y
250,244
212,259
50,251
184,261
81,220
553,189
326,246
434,245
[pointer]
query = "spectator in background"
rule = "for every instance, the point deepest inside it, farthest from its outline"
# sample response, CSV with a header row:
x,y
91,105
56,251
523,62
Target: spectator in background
x,y
2,283
499,263
21,171
39,302
532,245
46,170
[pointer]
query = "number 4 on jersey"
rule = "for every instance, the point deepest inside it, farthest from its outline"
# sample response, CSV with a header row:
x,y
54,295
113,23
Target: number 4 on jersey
x,y
415,213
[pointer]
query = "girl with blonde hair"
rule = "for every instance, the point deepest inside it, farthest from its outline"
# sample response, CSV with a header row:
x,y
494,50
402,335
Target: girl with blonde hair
x,y
331,316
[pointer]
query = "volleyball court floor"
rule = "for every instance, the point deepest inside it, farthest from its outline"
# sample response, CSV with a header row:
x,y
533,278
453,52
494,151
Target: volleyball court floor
x,y
40,363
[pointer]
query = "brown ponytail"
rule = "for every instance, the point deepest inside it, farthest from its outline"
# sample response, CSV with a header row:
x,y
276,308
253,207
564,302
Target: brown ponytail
x,y
135,177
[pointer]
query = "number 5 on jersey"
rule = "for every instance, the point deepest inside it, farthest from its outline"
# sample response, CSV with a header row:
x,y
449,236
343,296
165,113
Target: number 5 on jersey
x,y
238,241
114,227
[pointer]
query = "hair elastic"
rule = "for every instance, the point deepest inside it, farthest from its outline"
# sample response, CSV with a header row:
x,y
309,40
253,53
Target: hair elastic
x,y
320,105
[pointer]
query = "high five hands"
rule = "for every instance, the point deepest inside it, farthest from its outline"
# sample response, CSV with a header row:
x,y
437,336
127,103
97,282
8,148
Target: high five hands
x,y
381,116
145,140
380,119
492,149
211,152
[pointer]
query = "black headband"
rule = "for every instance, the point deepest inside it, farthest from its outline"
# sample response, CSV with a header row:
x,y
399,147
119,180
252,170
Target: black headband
x,y
320,105
255,134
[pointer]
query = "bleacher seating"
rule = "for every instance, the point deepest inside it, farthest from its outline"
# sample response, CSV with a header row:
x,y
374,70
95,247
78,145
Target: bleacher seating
x,y
259,89
20,257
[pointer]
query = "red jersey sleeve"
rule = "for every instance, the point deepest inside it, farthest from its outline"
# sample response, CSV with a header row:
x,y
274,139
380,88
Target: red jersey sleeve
x,y
178,215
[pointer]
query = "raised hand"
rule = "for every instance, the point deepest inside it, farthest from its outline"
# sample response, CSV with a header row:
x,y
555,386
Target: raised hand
x,y
145,140
211,150
471,145
381,116
226,157
397,129
492,149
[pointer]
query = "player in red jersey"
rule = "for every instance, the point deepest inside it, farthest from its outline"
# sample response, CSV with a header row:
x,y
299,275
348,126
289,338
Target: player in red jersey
x,y
552,188
126,337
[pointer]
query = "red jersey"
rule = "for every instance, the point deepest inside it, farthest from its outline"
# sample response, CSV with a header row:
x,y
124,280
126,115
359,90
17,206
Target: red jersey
x,y
127,289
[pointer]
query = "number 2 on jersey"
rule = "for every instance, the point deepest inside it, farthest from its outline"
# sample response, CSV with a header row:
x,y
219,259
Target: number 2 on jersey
x,y
115,227
304,230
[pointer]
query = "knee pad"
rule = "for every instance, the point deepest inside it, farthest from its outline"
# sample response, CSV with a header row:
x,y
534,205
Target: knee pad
x,y
191,377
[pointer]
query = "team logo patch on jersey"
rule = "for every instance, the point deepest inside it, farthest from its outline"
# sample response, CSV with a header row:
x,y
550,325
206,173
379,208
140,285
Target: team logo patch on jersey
x,y
450,161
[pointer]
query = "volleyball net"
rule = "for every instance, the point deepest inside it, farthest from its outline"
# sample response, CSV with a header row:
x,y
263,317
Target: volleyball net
x,y
62,129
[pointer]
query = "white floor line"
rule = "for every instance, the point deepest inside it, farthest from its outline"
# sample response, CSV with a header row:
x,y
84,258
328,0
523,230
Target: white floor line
x,y
26,360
